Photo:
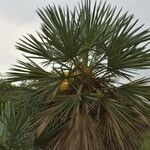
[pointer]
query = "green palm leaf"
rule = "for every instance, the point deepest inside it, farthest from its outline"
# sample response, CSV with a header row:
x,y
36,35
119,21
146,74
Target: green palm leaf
x,y
76,101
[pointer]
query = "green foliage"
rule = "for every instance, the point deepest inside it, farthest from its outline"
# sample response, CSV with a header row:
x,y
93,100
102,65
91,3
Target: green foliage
x,y
13,124
146,143
90,48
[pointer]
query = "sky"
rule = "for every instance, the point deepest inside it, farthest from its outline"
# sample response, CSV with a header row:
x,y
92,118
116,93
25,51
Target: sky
x,y
18,17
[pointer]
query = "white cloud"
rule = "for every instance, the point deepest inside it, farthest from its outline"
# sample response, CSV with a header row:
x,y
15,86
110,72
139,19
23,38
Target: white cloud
x,y
9,35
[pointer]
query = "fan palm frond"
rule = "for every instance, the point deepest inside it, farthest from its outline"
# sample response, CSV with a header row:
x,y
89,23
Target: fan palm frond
x,y
76,102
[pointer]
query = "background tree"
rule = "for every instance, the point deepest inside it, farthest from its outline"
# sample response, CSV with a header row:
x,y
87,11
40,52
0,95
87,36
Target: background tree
x,y
14,124
78,100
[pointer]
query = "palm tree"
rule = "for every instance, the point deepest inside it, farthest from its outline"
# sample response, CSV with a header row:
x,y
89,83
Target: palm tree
x,y
82,66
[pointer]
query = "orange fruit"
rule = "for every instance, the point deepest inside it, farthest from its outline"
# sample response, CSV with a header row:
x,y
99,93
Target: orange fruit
x,y
88,71
64,86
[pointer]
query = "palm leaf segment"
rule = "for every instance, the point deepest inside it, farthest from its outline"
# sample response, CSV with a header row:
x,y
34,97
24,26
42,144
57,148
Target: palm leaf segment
x,y
78,104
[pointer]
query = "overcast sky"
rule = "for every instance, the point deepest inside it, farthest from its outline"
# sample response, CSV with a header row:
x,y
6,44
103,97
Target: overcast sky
x,y
18,17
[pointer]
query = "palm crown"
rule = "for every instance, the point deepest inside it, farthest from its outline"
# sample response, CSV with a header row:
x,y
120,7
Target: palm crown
x,y
78,101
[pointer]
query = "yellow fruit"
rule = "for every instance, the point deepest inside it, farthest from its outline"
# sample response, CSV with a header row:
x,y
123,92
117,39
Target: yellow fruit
x,y
66,74
64,86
